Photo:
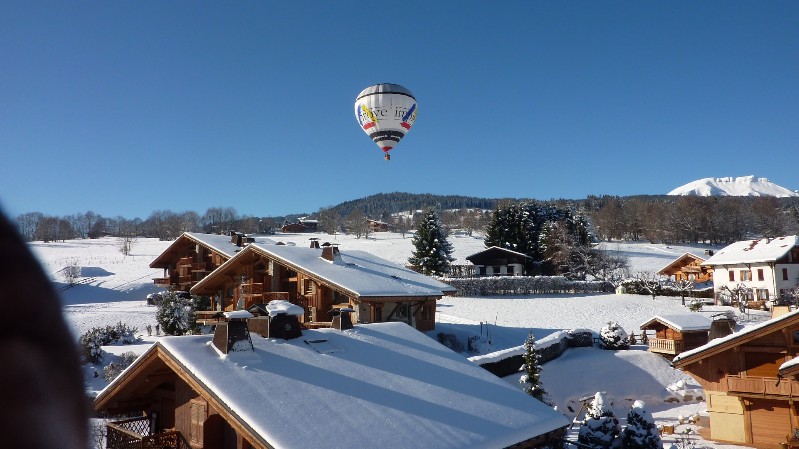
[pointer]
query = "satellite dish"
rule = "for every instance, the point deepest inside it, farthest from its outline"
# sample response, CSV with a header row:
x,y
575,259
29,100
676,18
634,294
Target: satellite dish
x,y
386,112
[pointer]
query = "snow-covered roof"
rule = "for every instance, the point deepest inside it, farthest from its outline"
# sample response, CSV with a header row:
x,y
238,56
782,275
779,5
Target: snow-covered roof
x,y
221,244
278,306
498,249
384,385
359,272
675,261
753,251
718,343
682,322
789,365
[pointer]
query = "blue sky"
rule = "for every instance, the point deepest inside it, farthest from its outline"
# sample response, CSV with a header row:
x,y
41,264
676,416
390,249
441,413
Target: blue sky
x,y
127,107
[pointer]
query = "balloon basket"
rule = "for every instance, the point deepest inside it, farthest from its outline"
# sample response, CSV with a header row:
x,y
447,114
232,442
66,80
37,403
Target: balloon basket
x,y
387,157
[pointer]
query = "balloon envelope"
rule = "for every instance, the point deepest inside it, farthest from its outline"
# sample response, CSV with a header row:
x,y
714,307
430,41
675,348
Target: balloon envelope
x,y
386,112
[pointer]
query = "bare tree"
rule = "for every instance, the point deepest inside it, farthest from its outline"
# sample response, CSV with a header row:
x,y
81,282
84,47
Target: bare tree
x,y
609,267
356,224
71,272
125,244
329,221
649,282
27,223
684,287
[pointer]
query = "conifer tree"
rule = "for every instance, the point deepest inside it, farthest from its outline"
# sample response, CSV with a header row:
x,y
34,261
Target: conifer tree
x,y
641,431
600,428
532,368
432,251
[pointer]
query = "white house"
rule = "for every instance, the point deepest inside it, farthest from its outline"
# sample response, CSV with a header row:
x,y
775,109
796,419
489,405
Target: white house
x,y
766,268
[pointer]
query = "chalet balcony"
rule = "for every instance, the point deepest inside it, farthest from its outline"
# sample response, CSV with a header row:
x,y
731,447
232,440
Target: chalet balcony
x,y
666,346
762,386
135,433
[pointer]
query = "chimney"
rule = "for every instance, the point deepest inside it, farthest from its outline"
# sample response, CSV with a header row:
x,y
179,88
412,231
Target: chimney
x,y
277,319
314,242
233,335
330,252
342,318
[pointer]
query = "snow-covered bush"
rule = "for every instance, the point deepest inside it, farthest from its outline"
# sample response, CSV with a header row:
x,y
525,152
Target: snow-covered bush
x,y
92,340
695,305
600,428
451,341
176,314
113,369
641,431
613,336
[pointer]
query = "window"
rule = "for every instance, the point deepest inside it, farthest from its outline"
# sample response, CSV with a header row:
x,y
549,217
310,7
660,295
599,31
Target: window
x,y
746,275
762,294
784,274
760,274
732,275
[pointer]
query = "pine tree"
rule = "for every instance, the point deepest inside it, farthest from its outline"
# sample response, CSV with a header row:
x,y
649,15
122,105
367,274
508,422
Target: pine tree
x,y
432,251
532,369
641,432
600,428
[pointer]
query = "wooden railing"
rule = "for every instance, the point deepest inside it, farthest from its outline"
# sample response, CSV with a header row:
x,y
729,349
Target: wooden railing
x,y
135,433
762,385
666,346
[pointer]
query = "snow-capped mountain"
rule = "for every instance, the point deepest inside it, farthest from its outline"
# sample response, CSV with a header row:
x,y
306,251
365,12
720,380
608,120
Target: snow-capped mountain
x,y
741,186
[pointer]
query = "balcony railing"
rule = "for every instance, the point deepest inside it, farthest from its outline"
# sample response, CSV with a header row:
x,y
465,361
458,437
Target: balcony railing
x,y
135,433
762,385
666,346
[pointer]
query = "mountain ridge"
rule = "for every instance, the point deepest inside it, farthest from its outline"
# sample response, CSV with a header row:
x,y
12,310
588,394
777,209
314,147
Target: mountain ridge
x,y
730,186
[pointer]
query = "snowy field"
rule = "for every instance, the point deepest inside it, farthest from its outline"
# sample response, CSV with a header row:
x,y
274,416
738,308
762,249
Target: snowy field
x,y
116,287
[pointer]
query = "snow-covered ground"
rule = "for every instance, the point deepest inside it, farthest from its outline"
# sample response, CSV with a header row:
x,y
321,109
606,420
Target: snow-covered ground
x,y
116,287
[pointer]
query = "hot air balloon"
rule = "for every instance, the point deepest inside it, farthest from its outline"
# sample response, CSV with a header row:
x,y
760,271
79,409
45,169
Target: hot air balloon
x,y
386,113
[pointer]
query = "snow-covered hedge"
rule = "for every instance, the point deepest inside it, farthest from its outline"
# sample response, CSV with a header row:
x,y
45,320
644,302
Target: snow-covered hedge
x,y
93,339
506,362
523,285
636,287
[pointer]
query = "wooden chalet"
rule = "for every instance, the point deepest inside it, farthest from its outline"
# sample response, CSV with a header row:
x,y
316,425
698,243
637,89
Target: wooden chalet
x,y
687,267
496,261
193,255
377,226
302,225
325,388
750,400
674,334
320,278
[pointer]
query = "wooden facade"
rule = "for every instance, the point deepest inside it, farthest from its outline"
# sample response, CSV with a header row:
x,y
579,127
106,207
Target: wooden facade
x,y
688,267
193,256
170,406
667,337
173,409
255,276
748,400
496,261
